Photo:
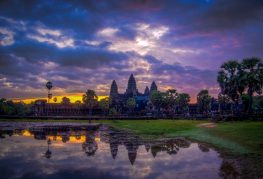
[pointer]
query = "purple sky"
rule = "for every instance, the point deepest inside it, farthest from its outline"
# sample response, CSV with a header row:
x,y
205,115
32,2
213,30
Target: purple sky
x,y
86,44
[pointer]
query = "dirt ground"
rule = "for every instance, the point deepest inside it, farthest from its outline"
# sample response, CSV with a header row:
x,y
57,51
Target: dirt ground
x,y
207,125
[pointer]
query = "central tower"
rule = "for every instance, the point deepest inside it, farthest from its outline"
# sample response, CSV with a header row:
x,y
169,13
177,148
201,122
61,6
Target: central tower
x,y
114,90
132,88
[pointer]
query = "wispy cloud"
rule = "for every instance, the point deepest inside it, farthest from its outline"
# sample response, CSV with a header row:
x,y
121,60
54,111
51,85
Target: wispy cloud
x,y
8,37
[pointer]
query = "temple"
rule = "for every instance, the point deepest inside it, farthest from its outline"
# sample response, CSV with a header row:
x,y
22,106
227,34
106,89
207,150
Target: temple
x,y
119,100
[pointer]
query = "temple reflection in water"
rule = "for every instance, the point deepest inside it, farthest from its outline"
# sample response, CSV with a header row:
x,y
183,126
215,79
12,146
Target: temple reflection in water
x,y
108,150
88,137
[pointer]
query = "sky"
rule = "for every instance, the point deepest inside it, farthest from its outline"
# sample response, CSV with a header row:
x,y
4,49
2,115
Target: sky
x,y
80,45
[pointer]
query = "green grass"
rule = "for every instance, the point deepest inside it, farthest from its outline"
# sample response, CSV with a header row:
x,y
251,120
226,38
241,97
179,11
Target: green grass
x,y
247,134
242,140
232,137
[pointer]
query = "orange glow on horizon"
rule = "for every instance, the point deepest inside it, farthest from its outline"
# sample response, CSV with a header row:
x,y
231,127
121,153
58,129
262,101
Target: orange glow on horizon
x,y
27,133
73,99
72,139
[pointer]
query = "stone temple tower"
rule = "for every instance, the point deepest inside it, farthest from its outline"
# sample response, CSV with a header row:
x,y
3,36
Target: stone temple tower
x,y
132,88
146,91
153,87
114,90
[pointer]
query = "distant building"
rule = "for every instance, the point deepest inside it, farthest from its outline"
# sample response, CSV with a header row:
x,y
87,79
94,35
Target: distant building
x,y
119,100
42,108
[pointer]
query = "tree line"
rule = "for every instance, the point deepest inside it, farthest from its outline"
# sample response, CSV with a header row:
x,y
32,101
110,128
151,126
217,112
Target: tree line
x,y
8,107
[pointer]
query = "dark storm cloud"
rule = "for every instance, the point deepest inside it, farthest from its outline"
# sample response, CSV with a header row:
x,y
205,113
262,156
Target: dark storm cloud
x,y
90,58
188,74
81,56
231,14
38,51
214,13
15,67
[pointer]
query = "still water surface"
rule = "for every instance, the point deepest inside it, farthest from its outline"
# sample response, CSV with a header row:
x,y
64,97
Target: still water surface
x,y
41,150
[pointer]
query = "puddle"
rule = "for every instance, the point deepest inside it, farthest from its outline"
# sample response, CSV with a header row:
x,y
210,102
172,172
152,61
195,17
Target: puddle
x,y
34,150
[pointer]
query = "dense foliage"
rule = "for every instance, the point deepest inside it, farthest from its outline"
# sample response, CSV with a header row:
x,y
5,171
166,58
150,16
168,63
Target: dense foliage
x,y
171,101
90,99
204,101
11,108
236,79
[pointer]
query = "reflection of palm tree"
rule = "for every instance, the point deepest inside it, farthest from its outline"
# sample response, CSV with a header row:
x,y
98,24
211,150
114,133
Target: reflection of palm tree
x,y
77,136
2,136
65,138
10,132
203,148
227,170
90,146
48,152
182,143
171,147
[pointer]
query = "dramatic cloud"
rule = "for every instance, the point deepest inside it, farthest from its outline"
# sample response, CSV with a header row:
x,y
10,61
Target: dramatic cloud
x,y
86,44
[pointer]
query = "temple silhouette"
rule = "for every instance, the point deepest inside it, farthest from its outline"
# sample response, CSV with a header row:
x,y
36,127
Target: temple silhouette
x,y
119,100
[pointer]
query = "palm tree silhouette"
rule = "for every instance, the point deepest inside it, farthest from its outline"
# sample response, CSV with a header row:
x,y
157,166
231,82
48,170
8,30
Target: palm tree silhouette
x,y
48,153
90,99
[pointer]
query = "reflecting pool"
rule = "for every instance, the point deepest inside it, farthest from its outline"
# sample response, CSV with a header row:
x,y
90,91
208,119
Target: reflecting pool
x,y
42,150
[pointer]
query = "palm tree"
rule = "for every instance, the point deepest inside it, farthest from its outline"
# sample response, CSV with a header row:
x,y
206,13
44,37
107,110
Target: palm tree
x,y
252,70
65,101
231,80
170,99
156,99
204,101
222,100
183,100
104,105
90,100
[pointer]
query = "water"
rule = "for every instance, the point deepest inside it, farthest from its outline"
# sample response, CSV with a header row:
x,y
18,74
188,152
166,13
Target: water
x,y
39,150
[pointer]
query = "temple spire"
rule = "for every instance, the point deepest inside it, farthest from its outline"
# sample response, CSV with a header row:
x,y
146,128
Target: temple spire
x,y
153,87
146,91
114,89
132,88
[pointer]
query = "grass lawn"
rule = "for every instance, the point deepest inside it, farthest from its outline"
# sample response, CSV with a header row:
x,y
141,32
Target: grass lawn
x,y
242,140
235,137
